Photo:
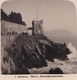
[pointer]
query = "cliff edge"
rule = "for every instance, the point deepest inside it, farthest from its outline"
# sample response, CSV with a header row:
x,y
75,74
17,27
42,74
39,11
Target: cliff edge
x,y
28,51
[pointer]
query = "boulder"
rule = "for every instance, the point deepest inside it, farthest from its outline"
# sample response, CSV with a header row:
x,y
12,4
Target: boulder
x,y
55,71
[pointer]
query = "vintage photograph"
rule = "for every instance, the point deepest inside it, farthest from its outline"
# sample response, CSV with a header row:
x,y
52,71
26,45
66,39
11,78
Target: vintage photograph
x,y
38,37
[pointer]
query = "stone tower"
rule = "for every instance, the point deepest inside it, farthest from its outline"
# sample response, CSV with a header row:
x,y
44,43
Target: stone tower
x,y
37,27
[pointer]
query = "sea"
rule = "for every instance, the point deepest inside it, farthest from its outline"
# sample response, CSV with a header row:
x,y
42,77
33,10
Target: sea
x,y
68,66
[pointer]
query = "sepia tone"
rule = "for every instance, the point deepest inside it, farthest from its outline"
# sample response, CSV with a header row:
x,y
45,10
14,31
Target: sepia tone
x,y
43,45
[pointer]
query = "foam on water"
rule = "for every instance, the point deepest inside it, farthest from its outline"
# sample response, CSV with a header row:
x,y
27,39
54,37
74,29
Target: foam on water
x,y
73,55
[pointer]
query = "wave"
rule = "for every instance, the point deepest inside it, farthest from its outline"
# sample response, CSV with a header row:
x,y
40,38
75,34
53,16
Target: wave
x,y
73,55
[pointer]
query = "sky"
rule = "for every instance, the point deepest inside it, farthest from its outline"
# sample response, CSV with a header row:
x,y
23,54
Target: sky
x,y
57,14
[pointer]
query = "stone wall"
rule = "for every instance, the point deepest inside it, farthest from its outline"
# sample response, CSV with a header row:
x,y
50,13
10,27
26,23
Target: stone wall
x,y
9,28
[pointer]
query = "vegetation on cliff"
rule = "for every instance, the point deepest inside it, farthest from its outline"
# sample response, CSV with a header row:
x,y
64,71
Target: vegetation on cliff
x,y
12,17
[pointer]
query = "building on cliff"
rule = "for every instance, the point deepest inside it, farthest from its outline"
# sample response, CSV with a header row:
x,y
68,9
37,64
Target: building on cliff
x,y
10,28
37,27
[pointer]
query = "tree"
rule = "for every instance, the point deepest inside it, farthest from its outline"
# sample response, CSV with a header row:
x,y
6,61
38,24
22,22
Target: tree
x,y
3,15
12,17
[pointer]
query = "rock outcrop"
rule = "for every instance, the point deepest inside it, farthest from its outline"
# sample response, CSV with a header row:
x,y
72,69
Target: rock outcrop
x,y
55,71
32,51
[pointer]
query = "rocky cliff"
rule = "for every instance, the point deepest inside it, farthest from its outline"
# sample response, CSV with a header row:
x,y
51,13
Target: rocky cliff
x,y
32,51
